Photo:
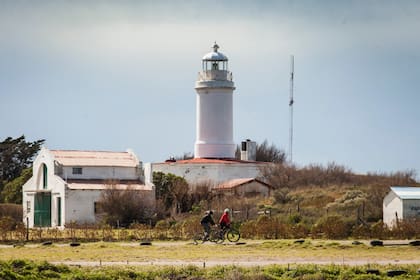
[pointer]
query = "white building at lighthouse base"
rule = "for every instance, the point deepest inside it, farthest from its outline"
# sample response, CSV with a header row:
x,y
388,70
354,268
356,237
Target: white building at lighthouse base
x,y
212,172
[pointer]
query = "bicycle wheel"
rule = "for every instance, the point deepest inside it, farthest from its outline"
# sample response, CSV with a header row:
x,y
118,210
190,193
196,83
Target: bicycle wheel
x,y
220,236
198,238
233,235
214,237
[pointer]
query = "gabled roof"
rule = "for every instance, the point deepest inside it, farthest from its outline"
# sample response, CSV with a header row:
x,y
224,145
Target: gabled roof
x,y
94,158
234,183
102,185
406,192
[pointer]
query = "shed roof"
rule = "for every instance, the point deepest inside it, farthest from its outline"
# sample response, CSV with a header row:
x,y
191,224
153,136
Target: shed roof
x,y
231,184
94,158
406,192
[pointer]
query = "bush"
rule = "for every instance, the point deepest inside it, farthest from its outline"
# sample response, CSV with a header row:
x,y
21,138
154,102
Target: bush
x,y
13,211
333,227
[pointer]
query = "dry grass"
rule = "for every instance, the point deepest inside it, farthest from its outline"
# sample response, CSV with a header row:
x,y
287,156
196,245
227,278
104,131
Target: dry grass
x,y
184,251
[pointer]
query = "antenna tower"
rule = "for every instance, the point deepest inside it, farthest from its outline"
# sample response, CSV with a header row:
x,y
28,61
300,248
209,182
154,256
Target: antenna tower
x,y
291,101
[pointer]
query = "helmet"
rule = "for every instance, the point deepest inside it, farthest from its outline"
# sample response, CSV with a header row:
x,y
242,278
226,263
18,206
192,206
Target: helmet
x,y
209,212
227,210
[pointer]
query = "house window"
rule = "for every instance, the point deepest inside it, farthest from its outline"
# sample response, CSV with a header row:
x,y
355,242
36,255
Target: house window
x,y
44,176
77,170
28,206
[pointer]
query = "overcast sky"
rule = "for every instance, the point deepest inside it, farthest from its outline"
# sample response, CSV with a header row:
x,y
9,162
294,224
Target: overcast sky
x,y
112,75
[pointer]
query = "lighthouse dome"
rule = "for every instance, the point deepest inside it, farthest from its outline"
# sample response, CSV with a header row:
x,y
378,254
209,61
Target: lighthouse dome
x,y
215,55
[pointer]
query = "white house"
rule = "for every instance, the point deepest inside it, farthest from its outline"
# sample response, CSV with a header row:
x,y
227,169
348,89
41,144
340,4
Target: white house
x,y
401,203
66,185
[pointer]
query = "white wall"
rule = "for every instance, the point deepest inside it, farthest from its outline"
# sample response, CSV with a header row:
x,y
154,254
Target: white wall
x,y
101,172
216,173
55,185
80,206
392,204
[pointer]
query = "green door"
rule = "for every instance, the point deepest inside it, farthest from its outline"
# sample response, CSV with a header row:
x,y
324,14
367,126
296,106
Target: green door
x,y
42,211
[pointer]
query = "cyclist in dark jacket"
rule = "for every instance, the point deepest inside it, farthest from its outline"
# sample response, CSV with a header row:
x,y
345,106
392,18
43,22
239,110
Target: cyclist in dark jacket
x,y
206,222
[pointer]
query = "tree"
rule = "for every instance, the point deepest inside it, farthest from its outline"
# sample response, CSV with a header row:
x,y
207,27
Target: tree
x,y
172,192
12,191
270,153
15,156
125,206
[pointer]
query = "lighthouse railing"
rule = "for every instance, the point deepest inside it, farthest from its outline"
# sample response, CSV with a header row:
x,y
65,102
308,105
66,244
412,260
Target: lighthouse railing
x,y
218,75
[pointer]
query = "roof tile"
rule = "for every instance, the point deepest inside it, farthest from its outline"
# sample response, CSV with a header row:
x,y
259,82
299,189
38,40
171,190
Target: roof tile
x,y
94,158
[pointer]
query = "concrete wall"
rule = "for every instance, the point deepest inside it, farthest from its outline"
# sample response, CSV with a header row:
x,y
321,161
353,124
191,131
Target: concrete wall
x,y
214,173
80,206
392,204
55,185
99,172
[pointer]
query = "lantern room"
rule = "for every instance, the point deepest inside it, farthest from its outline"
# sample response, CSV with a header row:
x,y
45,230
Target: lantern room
x,y
215,60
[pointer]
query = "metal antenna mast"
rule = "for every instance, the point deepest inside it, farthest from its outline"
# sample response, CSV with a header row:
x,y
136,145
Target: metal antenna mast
x,y
291,101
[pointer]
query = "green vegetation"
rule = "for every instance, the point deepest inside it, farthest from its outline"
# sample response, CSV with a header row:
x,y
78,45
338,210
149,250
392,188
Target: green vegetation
x,y
19,269
16,155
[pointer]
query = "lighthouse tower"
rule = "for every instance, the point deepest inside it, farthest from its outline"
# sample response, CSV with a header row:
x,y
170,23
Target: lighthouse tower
x,y
214,135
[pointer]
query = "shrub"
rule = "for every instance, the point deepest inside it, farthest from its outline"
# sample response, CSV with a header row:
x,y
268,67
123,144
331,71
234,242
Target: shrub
x,y
333,227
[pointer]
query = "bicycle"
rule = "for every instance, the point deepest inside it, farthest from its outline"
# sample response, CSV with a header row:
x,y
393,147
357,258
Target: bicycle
x,y
201,237
218,236
231,234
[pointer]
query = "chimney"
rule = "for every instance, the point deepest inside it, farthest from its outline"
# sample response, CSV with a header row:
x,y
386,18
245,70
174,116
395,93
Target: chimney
x,y
249,150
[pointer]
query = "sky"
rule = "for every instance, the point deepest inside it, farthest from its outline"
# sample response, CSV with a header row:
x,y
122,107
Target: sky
x,y
117,75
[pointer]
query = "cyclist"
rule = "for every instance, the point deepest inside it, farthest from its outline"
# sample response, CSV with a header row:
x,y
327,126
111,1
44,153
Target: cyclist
x,y
224,220
206,222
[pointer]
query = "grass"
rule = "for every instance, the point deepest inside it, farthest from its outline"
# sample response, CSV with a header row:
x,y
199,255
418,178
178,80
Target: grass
x,y
285,250
19,269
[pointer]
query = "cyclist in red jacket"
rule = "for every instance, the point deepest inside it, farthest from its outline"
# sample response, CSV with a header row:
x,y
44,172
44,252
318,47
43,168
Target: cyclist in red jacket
x,y
224,220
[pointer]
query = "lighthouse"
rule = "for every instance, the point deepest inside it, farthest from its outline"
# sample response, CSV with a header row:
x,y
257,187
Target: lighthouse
x,y
214,119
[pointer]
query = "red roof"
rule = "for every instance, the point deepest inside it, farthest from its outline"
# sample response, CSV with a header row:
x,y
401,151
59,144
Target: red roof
x,y
231,184
211,161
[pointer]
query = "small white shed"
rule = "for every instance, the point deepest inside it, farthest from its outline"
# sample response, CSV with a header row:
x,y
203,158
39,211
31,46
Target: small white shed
x,y
401,203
